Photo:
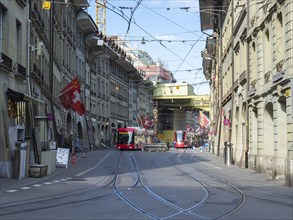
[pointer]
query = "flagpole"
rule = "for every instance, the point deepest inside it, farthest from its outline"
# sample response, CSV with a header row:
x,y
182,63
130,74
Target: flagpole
x,y
65,91
137,120
140,120
62,93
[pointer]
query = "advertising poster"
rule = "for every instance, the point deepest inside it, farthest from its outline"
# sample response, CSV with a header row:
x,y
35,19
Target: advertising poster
x,y
62,157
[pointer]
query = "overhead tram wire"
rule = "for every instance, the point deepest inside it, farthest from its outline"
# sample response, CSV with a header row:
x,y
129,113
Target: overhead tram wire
x,y
196,74
147,33
169,20
183,60
169,41
187,54
177,33
131,16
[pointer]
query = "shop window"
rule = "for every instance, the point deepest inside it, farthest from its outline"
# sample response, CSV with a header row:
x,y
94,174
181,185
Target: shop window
x,y
17,111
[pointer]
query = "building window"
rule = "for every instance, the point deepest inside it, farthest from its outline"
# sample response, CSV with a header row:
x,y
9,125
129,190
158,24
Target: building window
x,y
267,52
280,45
17,111
19,41
22,3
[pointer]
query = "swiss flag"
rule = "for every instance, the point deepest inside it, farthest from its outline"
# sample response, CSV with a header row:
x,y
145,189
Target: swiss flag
x,y
203,120
77,105
70,97
148,122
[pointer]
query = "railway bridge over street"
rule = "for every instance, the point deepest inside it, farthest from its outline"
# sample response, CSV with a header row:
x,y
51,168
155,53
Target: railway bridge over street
x,y
178,106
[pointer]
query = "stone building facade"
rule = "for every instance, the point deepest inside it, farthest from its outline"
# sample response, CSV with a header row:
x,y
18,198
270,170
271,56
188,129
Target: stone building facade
x,y
254,67
41,51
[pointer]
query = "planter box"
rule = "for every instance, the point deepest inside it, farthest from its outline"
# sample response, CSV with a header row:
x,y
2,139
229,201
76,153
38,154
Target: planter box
x,y
38,170
49,158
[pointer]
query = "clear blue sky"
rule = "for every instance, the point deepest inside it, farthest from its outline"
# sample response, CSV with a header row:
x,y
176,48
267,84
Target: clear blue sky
x,y
175,22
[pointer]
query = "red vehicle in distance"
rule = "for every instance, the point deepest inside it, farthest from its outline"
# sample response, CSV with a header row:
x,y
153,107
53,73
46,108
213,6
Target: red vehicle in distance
x,y
180,139
131,138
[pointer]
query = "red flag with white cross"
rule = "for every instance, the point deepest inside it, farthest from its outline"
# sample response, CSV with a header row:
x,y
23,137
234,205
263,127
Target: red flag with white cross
x,y
71,97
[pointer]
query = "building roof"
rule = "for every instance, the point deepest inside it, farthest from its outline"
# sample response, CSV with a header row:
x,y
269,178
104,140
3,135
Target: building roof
x,y
207,15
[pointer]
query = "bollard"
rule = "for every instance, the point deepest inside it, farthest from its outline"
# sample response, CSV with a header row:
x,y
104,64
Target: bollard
x,y
73,161
228,153
83,154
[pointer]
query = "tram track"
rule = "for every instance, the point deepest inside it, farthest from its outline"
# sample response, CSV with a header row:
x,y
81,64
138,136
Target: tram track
x,y
205,186
177,211
245,192
206,183
247,188
130,181
227,187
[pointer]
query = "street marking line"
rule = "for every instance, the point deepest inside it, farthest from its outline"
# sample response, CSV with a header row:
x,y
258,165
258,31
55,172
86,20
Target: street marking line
x,y
90,169
48,183
25,187
11,190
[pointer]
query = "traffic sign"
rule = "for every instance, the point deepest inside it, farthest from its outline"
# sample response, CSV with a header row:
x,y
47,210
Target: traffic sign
x,y
227,122
50,117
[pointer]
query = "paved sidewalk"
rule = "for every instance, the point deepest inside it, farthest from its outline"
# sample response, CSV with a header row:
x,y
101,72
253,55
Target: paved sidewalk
x,y
80,165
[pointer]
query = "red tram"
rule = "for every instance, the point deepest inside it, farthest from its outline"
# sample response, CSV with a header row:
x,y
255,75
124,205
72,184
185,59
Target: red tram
x,y
180,139
133,138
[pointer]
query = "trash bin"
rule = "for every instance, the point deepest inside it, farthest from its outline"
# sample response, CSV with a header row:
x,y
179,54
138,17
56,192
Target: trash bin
x,y
20,160
228,153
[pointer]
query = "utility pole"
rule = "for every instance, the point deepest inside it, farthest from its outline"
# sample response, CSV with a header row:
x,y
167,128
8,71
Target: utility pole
x,y
29,85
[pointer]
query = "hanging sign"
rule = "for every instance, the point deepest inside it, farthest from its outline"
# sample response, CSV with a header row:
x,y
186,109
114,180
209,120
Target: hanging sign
x,y
46,5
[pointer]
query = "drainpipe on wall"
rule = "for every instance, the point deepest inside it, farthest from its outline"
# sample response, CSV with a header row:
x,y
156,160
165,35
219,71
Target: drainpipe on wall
x,y
220,80
233,73
51,76
247,89
28,75
289,178
36,150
